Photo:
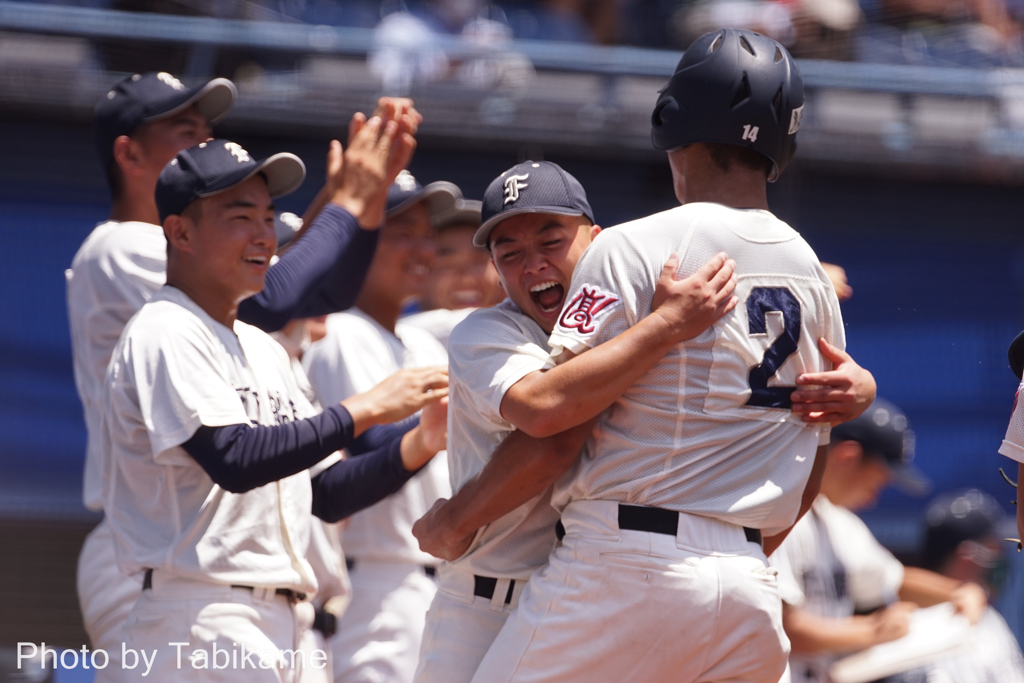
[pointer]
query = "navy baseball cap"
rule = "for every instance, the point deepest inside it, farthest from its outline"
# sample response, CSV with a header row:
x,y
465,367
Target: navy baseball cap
x,y
406,191
959,516
531,187
884,432
217,165
144,98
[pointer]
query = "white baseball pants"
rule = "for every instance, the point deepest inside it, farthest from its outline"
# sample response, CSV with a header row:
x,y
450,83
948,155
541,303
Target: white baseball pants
x,y
378,638
177,618
620,605
461,627
106,596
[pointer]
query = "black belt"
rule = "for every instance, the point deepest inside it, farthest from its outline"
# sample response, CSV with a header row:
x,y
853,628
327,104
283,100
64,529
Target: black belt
x,y
294,596
661,521
429,570
484,586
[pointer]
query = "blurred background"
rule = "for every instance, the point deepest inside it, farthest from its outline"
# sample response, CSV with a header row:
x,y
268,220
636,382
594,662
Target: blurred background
x,y
909,175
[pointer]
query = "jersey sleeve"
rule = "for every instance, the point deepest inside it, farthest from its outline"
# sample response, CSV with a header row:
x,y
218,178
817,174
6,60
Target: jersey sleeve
x,y
180,384
610,284
488,357
874,574
1013,443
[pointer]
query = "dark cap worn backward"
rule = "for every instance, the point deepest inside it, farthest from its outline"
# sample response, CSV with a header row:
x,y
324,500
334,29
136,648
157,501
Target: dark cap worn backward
x,y
959,516
217,165
531,187
149,97
439,197
883,431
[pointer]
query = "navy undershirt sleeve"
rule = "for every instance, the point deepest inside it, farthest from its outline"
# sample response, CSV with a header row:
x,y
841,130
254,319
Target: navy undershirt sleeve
x,y
378,436
241,457
320,274
355,484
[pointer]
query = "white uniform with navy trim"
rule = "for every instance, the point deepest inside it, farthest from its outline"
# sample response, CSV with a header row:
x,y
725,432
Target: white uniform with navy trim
x,y
706,432
174,370
378,638
488,352
832,566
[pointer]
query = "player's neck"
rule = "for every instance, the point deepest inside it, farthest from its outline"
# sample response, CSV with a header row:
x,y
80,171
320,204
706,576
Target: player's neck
x,y
737,188
219,305
382,309
135,204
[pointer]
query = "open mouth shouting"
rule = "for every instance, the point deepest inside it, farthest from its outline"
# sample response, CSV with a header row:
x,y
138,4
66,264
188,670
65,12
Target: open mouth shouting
x,y
548,296
261,261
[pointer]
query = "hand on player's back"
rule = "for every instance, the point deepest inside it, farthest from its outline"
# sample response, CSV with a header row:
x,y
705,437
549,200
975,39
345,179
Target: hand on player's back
x,y
836,396
694,304
437,537
398,396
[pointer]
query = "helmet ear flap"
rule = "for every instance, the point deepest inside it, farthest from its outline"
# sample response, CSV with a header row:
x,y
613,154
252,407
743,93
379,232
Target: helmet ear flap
x,y
665,111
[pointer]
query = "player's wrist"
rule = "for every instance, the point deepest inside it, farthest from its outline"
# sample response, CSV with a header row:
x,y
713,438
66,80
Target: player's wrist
x,y
360,207
414,450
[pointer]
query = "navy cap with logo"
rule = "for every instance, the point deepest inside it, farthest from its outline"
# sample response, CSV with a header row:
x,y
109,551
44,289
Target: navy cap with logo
x,y
217,165
959,516
440,197
531,187
884,431
149,97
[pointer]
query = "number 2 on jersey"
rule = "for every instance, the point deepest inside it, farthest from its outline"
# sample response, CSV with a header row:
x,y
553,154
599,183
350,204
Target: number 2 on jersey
x,y
764,300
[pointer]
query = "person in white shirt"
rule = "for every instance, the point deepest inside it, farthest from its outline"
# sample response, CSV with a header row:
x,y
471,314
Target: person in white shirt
x,y
378,638
142,122
462,278
842,591
208,440
661,575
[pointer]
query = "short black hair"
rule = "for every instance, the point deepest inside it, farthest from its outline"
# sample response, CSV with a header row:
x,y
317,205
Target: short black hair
x,y
726,156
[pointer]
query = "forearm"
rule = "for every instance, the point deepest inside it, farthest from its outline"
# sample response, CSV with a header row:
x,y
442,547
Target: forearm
x,y
811,491
926,588
549,402
522,467
322,273
379,436
811,634
355,484
242,457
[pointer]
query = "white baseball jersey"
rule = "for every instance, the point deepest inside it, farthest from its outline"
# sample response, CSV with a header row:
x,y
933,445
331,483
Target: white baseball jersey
x,y
488,352
832,566
176,369
440,322
115,272
994,656
1013,442
708,429
356,355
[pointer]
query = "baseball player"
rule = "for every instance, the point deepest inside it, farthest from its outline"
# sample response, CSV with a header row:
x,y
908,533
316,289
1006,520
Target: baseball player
x,y
207,438
378,638
1013,443
964,541
462,278
665,513
140,125
831,567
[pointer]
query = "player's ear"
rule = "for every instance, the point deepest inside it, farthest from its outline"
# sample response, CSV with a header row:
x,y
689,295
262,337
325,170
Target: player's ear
x,y
595,230
179,232
127,155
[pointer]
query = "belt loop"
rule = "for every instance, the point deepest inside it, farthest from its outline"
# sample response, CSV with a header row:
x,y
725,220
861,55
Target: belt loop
x,y
501,590
263,594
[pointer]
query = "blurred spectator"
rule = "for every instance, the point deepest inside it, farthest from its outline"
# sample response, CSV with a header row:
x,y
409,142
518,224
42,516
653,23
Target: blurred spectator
x,y
963,541
462,277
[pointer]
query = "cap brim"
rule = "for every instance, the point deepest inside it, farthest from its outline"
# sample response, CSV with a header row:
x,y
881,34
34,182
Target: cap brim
x,y
440,197
910,480
284,173
213,101
1015,354
465,212
484,231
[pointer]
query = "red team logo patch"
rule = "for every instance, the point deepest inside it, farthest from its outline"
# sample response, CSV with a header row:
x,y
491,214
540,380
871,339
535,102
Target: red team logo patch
x,y
581,311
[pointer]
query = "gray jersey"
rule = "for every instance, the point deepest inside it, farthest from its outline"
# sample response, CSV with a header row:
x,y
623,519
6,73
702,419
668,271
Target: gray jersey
x,y
708,429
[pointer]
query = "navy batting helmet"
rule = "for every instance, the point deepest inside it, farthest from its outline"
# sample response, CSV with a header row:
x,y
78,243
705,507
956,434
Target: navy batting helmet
x,y
734,87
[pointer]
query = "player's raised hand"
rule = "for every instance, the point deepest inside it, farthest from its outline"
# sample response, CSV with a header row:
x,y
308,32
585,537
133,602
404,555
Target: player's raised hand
x,y
694,304
437,537
365,168
397,397
836,396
